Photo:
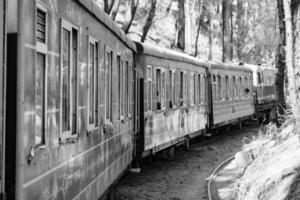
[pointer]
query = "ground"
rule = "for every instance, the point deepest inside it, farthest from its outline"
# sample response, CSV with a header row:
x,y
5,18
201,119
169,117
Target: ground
x,y
183,178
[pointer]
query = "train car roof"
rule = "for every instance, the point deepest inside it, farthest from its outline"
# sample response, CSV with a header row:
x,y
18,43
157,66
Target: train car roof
x,y
107,21
229,66
164,53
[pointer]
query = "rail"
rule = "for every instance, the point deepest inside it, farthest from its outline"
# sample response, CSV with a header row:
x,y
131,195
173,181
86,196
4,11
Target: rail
x,y
211,177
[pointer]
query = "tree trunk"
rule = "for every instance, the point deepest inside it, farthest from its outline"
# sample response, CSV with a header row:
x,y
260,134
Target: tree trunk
x,y
231,32
149,20
180,27
133,11
280,57
199,26
210,39
108,7
188,28
114,10
226,32
290,61
241,29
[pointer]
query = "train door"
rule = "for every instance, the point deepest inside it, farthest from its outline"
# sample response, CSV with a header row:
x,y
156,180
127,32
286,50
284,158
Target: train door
x,y
2,94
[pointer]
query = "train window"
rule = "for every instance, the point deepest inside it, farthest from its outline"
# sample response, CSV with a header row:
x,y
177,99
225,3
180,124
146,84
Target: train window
x,y
121,78
182,87
108,85
163,89
149,87
40,76
192,89
195,88
240,87
215,92
227,87
199,88
119,86
219,87
126,88
68,73
259,78
204,89
196,81
92,83
40,95
172,89
130,94
158,88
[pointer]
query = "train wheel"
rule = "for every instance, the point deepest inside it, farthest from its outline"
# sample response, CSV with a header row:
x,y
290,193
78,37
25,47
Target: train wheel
x,y
172,153
240,124
112,193
187,144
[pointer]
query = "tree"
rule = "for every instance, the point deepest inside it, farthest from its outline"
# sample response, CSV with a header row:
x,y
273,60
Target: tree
x,y
201,16
180,26
108,7
133,6
226,30
280,57
114,10
293,93
149,20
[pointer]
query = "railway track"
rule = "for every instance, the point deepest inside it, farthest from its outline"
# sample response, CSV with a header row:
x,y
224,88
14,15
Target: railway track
x,y
213,175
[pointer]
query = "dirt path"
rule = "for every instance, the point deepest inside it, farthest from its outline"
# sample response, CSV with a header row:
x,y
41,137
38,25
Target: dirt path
x,y
184,177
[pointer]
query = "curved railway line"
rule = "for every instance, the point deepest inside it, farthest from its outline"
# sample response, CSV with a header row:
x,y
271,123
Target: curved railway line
x,y
213,175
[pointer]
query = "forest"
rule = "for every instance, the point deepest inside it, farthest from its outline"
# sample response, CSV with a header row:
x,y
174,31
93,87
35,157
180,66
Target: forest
x,y
261,32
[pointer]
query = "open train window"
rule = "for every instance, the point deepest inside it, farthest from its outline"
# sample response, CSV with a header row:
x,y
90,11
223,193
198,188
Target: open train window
x,y
130,87
220,87
93,87
158,88
234,86
196,89
202,89
69,46
41,76
199,88
227,92
119,71
172,89
192,89
108,71
240,87
149,87
183,89
126,88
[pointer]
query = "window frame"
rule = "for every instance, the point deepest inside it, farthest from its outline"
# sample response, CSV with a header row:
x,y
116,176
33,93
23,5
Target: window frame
x,y
149,79
108,119
69,27
192,89
161,97
183,88
127,89
95,42
119,86
41,48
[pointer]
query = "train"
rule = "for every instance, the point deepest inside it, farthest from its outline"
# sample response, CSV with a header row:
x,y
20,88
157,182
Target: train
x,y
80,101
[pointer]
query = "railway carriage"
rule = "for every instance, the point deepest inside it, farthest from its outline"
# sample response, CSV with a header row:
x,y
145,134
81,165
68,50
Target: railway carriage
x,y
174,92
264,88
77,128
231,99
